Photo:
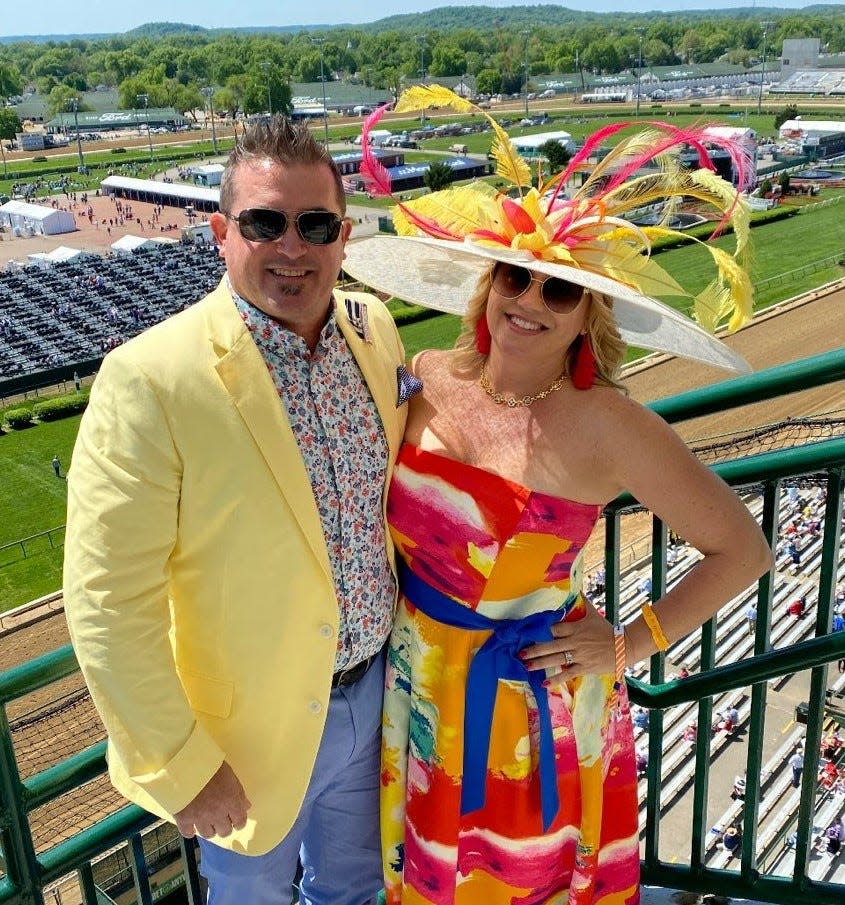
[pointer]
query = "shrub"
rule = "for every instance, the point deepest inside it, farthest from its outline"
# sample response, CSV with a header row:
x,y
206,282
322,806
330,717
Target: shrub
x,y
118,151
39,158
60,407
412,314
18,418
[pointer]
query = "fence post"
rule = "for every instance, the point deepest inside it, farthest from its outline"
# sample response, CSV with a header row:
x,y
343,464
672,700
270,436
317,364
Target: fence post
x,y
21,862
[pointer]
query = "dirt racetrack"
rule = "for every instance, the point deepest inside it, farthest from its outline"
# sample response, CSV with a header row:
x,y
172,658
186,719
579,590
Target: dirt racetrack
x,y
805,327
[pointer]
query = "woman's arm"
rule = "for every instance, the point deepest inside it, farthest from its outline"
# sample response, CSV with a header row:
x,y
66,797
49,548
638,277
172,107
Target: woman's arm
x,y
644,455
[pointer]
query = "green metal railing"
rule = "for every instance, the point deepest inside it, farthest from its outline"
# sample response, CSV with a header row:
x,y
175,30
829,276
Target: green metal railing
x,y
28,872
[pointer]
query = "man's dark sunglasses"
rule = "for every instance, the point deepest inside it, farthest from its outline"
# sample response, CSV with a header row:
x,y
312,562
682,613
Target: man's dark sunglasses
x,y
559,296
262,224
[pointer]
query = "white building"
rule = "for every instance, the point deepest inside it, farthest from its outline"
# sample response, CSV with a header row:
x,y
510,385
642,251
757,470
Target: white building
x,y
528,145
25,219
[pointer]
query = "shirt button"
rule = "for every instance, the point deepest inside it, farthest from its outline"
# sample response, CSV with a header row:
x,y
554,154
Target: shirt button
x,y
326,631
315,706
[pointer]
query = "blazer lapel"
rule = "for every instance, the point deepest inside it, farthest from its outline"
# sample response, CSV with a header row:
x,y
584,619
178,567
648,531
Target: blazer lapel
x,y
381,381
244,375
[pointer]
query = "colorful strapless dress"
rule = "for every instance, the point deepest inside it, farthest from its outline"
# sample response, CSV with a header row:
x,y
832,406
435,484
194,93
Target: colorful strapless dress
x,y
503,552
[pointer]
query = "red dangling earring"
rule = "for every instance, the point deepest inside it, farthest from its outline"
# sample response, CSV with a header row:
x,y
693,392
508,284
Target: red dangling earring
x,y
483,339
584,366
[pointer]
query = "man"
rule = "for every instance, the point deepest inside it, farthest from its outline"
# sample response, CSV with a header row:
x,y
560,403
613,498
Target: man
x,y
796,762
228,579
57,466
751,618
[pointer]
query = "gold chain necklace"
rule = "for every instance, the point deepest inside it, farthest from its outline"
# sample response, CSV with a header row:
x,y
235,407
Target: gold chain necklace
x,y
512,401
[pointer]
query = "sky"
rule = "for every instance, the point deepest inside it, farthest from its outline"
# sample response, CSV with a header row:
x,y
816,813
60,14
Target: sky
x,y
61,17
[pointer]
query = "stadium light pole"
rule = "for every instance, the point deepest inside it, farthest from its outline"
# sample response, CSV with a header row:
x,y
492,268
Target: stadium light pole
x,y
421,39
266,65
762,69
75,106
146,99
639,69
208,91
319,42
525,33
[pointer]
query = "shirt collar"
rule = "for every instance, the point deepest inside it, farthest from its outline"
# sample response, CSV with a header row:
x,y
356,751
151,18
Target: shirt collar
x,y
271,336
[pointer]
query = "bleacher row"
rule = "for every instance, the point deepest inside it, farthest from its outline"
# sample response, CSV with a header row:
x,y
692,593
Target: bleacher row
x,y
81,309
779,799
815,81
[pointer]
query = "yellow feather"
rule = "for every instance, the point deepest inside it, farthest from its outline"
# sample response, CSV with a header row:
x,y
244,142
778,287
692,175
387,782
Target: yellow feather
x,y
423,97
460,210
509,164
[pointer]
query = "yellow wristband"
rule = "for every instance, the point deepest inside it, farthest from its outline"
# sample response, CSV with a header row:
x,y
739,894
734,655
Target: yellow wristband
x,y
619,651
650,619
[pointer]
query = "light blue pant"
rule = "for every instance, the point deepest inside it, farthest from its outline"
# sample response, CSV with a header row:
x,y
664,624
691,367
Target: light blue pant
x,y
336,834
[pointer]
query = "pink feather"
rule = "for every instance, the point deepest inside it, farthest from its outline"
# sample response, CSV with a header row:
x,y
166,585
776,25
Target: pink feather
x,y
373,171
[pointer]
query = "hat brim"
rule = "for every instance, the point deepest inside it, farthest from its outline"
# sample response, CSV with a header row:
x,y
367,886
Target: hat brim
x,y
444,276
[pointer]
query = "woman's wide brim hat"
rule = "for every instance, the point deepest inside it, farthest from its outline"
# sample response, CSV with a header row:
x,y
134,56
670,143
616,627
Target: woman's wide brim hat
x,y
448,239
444,276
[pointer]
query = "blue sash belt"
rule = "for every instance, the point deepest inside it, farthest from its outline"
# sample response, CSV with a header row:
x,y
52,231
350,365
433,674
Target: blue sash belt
x,y
496,659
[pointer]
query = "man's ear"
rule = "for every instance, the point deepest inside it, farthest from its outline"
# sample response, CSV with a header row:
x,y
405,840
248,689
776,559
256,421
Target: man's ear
x,y
219,227
345,230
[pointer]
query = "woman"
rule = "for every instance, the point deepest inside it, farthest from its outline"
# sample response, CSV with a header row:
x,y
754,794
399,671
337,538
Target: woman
x,y
509,770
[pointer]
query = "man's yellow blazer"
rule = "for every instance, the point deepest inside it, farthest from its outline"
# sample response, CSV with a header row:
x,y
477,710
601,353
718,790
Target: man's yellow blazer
x,y
197,584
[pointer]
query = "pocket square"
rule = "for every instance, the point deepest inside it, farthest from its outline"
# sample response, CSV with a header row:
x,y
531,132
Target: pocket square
x,y
407,385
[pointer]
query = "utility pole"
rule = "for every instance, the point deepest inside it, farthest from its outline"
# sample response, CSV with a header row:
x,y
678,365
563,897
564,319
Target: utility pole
x,y
639,69
146,99
75,102
765,26
266,66
208,91
525,33
319,42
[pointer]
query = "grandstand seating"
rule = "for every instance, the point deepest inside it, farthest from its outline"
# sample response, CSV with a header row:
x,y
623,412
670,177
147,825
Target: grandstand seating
x,y
779,801
812,81
80,309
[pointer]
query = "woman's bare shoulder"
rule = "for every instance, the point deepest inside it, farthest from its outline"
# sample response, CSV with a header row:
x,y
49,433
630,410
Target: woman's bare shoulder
x,y
430,362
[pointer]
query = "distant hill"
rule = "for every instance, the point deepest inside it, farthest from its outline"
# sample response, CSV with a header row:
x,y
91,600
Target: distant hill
x,y
449,17
160,29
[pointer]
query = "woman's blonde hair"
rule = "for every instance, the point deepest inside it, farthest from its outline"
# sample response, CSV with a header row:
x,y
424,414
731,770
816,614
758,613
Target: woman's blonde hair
x,y
608,346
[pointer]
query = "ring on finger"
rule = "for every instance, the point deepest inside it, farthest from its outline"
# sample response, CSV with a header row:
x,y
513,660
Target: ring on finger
x,y
568,658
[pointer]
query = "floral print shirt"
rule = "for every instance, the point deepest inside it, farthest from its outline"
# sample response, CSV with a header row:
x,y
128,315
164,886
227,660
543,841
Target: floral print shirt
x,y
342,443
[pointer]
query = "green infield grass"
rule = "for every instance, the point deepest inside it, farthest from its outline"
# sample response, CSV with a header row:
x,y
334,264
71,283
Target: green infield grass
x,y
32,499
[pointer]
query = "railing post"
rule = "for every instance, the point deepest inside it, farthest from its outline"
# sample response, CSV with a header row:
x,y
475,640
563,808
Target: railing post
x,y
22,867
818,679
192,884
140,871
655,721
759,691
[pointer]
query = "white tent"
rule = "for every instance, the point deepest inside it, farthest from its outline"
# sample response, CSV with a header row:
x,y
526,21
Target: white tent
x,y
208,174
56,256
129,243
25,219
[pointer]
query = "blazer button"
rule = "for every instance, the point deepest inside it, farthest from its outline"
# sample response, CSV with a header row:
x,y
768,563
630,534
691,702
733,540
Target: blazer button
x,y
315,707
326,631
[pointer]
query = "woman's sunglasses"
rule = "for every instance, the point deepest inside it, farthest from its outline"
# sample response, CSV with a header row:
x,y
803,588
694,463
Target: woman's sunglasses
x,y
262,224
559,296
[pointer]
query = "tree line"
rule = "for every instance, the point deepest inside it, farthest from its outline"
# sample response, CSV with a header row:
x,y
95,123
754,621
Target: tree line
x,y
251,70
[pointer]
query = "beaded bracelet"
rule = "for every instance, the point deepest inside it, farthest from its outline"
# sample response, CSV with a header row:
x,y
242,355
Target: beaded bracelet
x,y
619,651
650,619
